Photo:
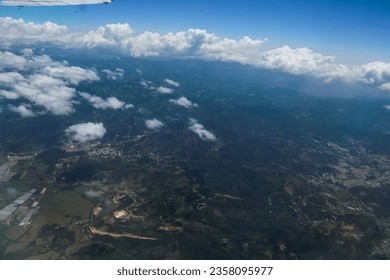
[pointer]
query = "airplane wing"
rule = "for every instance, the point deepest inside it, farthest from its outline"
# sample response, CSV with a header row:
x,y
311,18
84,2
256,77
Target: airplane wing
x,y
24,3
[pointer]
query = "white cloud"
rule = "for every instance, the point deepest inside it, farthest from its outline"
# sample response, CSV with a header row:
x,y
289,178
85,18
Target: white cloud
x,y
154,124
92,194
109,103
385,86
172,83
387,107
114,103
184,102
201,131
165,90
70,74
52,94
8,94
11,60
114,75
302,61
26,60
10,77
24,110
42,81
27,52
120,39
84,132
375,73
147,84
17,31
129,106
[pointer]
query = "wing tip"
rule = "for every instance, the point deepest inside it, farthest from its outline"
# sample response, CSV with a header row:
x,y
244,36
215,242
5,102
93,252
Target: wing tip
x,y
24,3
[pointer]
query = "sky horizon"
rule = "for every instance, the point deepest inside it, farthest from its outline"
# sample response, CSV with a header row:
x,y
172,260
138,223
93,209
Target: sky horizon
x,y
327,40
353,31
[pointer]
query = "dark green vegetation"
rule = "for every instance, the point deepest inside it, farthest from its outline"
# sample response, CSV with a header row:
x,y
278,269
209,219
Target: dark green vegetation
x,y
290,175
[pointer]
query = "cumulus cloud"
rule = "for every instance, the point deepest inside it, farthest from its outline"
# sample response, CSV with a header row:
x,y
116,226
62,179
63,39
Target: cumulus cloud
x,y
109,103
120,38
165,90
26,59
375,73
302,61
70,74
154,124
11,60
184,102
41,81
385,86
84,132
172,83
17,31
114,75
147,84
24,110
199,129
92,194
192,43
387,107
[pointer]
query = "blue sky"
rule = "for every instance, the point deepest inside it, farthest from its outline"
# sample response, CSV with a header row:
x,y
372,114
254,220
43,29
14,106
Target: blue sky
x,y
333,41
354,31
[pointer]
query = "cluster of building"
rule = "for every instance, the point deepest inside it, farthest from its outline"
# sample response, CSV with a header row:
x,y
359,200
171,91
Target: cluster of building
x,y
22,210
5,171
